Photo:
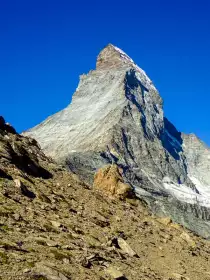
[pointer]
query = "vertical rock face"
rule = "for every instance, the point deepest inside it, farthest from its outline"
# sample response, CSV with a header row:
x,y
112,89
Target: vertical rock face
x,y
116,116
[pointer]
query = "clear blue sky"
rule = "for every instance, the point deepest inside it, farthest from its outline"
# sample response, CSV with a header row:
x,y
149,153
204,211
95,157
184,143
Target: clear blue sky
x,y
46,45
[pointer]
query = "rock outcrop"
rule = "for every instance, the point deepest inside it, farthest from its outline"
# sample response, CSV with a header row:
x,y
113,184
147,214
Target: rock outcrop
x,y
116,116
109,181
20,155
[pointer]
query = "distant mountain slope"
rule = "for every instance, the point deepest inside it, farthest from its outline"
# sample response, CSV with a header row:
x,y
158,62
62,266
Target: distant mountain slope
x,y
116,116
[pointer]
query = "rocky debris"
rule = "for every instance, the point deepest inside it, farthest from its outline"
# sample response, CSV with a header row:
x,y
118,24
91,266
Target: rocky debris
x,y
56,224
186,237
109,180
123,245
100,220
114,273
165,221
24,189
17,217
18,183
48,273
177,276
87,249
93,259
116,117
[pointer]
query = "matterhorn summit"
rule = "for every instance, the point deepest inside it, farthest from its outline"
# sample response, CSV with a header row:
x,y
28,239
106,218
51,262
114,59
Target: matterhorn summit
x,y
116,116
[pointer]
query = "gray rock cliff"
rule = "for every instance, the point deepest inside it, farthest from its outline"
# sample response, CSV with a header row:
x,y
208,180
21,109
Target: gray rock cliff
x,y
116,116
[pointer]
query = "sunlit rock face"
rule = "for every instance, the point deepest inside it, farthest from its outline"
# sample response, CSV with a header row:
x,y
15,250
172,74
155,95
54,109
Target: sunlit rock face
x,y
116,116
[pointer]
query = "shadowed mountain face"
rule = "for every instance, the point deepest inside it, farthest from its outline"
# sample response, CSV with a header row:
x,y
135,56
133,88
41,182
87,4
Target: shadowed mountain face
x,y
116,116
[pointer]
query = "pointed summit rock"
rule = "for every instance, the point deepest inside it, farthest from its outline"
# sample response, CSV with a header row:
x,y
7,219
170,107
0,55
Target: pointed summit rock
x,y
116,116
113,57
109,57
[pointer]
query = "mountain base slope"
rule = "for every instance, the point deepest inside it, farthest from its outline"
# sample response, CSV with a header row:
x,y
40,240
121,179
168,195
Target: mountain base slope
x,y
69,230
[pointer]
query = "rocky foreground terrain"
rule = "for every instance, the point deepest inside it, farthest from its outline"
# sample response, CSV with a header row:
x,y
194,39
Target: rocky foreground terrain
x,y
54,226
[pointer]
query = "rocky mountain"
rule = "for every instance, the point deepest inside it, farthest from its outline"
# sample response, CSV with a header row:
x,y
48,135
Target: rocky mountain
x,y
55,227
116,116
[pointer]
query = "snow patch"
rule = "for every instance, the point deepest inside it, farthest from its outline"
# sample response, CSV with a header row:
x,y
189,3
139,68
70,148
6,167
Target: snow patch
x,y
123,54
203,189
186,194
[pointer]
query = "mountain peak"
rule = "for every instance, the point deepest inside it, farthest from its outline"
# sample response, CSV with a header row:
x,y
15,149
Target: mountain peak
x,y
116,116
112,56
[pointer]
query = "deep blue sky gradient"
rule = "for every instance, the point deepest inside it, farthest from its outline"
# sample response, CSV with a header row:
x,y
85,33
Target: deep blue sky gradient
x,y
46,45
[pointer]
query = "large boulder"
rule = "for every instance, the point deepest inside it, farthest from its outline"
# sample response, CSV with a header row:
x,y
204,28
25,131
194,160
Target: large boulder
x,y
109,181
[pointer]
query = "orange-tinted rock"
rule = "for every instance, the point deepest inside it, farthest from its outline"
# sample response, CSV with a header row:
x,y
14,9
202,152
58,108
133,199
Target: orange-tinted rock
x,y
109,180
